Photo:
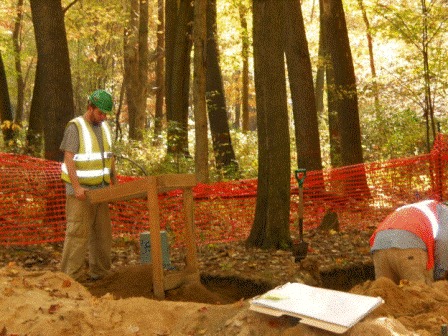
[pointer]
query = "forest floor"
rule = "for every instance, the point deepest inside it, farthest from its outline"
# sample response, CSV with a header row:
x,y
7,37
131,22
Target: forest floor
x,y
36,297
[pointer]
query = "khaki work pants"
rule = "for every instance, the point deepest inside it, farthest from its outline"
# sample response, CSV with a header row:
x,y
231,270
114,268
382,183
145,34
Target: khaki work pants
x,y
397,264
88,230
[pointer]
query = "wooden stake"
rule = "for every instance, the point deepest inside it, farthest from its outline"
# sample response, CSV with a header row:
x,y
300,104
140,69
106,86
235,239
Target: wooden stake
x,y
156,243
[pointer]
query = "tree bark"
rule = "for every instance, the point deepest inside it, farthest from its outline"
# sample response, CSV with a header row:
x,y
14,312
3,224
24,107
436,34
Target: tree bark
x,y
199,89
131,61
138,66
271,223
170,36
344,80
160,92
35,131
245,75
18,65
346,97
216,102
143,68
325,73
320,74
333,124
302,89
428,104
177,80
371,56
5,105
53,78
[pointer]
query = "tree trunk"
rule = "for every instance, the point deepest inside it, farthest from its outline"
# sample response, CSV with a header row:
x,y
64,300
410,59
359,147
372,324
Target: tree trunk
x,y
302,89
35,132
371,56
429,104
216,102
130,57
325,72
53,78
344,80
237,107
346,97
5,106
333,124
199,89
133,73
170,36
160,92
271,223
18,65
320,75
118,130
245,75
143,68
177,80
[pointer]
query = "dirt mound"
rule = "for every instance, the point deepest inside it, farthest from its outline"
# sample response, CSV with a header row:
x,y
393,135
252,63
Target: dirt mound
x,y
417,306
34,302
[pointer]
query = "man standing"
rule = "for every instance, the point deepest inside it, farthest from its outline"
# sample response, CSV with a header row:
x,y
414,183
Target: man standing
x,y
412,243
88,164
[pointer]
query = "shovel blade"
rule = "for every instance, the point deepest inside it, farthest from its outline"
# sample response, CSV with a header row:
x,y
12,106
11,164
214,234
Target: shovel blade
x,y
300,250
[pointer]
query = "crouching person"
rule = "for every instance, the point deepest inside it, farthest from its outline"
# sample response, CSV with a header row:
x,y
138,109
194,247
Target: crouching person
x,y
412,243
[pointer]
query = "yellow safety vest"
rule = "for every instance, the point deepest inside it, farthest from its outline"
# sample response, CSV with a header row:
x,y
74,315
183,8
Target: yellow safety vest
x,y
90,168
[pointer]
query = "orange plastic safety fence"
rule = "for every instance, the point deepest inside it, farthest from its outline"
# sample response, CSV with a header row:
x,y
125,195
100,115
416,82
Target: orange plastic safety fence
x,y
32,207
31,200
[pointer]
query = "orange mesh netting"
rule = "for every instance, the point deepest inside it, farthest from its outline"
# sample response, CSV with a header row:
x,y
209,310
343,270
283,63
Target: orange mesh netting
x,y
32,208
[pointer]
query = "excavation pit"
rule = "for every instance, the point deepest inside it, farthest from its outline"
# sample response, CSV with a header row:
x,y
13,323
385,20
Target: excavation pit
x,y
345,278
135,281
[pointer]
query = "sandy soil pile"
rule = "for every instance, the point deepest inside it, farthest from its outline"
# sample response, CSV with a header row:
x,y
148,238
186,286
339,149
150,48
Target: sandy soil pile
x,y
50,303
418,307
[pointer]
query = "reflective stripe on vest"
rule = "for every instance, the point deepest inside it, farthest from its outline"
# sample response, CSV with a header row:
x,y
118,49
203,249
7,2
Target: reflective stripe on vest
x,y
424,207
89,160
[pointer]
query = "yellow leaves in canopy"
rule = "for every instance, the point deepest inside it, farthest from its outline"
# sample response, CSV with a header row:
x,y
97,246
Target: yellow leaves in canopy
x,y
8,124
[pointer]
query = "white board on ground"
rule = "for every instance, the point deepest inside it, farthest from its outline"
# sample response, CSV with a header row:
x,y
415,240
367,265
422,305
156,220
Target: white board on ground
x,y
332,310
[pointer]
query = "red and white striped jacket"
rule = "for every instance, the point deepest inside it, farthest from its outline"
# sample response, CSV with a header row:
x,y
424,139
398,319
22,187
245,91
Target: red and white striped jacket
x,y
419,218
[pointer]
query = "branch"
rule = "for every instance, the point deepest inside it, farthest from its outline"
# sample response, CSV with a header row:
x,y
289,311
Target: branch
x,y
132,161
68,7
437,30
406,32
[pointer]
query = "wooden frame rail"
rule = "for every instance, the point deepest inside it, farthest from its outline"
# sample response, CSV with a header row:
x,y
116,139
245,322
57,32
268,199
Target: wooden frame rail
x,y
149,187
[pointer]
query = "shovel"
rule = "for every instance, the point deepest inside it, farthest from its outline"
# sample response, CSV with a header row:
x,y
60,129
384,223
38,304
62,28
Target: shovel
x,y
300,249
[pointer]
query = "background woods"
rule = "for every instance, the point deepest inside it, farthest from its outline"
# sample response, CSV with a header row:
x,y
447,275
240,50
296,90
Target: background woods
x,y
246,88
397,53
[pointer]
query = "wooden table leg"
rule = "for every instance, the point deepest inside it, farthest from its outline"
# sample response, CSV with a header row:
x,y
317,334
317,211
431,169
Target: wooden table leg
x,y
190,236
156,244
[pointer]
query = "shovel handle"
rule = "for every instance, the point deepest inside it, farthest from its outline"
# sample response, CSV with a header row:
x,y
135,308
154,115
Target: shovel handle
x,y
300,180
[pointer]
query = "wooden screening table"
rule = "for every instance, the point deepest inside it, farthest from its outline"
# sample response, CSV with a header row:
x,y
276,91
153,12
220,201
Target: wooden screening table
x,y
149,187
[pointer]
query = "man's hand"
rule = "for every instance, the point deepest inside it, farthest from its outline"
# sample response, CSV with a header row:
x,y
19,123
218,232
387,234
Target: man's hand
x,y
445,276
80,193
113,172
